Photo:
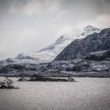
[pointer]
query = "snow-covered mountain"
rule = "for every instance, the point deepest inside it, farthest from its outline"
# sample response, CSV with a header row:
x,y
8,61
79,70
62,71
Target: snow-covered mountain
x,y
88,55
82,47
49,53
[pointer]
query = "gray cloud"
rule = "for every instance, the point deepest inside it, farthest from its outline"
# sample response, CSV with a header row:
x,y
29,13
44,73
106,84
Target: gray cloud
x,y
29,25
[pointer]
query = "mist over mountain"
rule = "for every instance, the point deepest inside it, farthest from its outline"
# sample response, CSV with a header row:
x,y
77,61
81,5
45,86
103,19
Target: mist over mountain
x,y
49,53
83,52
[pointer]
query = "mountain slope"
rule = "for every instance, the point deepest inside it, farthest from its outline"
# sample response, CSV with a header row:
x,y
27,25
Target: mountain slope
x,y
48,54
94,42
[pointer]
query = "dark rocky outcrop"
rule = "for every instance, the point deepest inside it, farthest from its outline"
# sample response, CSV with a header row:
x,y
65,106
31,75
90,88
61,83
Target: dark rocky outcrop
x,y
98,56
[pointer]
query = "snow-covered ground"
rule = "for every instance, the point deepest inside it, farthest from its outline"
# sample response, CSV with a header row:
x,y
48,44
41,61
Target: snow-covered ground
x,y
85,94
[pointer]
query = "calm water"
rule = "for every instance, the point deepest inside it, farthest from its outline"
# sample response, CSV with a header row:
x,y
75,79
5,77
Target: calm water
x,y
86,94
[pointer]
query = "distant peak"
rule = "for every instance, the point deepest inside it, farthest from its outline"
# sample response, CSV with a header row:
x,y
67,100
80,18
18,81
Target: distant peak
x,y
90,27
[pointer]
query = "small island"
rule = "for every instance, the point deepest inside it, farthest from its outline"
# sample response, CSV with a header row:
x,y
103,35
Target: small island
x,y
39,77
7,84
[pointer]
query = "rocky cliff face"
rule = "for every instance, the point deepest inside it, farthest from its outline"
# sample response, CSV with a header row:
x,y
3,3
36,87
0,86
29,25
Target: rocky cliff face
x,y
82,47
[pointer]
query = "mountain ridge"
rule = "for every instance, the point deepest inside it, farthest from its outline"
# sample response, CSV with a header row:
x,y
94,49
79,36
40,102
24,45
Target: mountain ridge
x,y
93,42
49,53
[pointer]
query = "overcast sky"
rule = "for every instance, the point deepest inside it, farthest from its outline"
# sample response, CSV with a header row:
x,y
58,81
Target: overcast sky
x,y
29,25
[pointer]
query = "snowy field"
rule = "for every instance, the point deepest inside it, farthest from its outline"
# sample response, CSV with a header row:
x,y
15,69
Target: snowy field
x,y
85,94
